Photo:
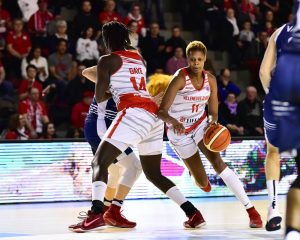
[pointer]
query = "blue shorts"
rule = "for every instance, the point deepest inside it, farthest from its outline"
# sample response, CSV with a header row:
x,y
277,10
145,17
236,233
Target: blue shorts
x,y
282,124
91,135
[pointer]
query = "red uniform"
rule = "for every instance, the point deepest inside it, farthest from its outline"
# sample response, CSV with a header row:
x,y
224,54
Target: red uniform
x,y
20,43
79,113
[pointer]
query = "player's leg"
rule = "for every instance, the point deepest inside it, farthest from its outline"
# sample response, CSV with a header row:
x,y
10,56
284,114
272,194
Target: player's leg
x,y
293,207
150,155
233,183
130,171
114,174
272,169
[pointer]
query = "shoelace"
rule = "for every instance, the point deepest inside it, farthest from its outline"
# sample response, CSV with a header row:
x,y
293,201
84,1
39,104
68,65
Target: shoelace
x,y
83,215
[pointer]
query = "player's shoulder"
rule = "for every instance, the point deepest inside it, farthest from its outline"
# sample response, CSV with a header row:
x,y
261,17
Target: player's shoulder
x,y
210,76
110,62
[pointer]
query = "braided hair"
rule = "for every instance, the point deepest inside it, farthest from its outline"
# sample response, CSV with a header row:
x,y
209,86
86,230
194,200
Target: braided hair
x,y
115,36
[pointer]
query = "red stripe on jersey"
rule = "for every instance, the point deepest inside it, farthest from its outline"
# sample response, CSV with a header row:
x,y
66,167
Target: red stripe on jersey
x,y
129,54
117,124
135,101
196,124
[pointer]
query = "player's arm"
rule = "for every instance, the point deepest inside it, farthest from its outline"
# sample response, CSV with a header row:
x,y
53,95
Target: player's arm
x,y
90,73
175,85
269,62
213,101
106,66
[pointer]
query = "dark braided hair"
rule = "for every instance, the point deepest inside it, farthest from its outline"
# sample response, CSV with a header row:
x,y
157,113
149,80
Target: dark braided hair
x,y
115,36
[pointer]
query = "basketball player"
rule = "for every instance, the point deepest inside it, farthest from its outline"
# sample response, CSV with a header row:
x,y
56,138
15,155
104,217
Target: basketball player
x,y
121,74
98,119
283,105
183,109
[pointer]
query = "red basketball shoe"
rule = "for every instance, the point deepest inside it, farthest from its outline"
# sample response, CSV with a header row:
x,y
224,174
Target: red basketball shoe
x,y
113,217
255,219
195,221
92,221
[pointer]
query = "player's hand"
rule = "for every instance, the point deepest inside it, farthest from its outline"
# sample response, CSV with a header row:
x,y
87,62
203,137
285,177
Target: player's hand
x,y
211,121
178,127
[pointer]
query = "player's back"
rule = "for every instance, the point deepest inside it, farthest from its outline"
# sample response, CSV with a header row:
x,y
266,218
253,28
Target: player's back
x,y
128,84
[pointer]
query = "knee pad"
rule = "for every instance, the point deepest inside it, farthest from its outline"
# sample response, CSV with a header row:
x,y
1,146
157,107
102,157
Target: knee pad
x,y
113,176
296,183
131,170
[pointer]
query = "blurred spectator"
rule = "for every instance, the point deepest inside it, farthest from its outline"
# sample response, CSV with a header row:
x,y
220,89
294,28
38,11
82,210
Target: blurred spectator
x,y
75,133
16,128
34,112
269,5
286,8
80,110
228,115
262,43
133,36
174,42
13,8
5,24
35,58
6,87
246,41
61,33
152,47
247,7
225,85
18,46
135,15
109,14
267,17
48,131
29,82
176,62
269,29
159,12
37,24
87,48
77,86
250,114
61,65
84,19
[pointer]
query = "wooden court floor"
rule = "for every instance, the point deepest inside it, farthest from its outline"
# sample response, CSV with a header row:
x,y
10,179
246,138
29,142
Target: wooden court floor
x,y
156,219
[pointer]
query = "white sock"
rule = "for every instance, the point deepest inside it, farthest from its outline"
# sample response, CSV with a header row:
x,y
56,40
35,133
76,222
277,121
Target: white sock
x,y
175,194
235,185
272,186
98,190
292,235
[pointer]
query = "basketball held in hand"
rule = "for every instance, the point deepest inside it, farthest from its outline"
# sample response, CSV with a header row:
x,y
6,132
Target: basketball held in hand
x,y
216,138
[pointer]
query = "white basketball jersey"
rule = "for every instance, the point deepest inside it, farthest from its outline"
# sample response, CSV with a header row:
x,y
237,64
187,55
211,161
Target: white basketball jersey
x,y
189,104
128,84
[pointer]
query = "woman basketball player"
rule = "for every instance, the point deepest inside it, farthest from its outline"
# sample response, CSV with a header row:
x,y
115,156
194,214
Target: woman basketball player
x,y
183,109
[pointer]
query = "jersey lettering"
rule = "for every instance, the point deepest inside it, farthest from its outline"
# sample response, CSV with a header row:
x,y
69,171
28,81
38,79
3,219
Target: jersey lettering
x,y
142,85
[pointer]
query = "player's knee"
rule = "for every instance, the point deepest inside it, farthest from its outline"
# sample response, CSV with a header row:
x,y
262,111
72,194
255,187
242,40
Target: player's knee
x,y
296,183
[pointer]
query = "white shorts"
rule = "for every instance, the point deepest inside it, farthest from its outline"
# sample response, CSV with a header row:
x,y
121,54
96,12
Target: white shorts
x,y
136,127
186,145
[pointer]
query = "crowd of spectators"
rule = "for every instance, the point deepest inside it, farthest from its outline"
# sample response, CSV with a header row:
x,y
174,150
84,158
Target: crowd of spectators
x,y
45,45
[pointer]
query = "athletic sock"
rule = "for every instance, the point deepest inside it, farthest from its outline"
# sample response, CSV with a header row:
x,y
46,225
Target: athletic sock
x,y
175,194
272,186
117,202
98,191
97,206
188,208
292,234
235,185
107,202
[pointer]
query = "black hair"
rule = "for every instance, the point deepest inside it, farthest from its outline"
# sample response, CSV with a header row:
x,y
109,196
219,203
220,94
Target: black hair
x,y
115,36
60,40
30,54
31,66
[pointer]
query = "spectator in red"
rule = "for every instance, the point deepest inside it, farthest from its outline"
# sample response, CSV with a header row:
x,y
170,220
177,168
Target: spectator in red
x,y
37,24
16,128
176,62
48,131
228,4
5,24
269,29
247,7
18,47
80,110
135,14
35,112
29,82
109,14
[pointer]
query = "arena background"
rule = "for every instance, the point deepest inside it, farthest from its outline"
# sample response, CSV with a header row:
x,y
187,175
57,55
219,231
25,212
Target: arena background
x,y
44,171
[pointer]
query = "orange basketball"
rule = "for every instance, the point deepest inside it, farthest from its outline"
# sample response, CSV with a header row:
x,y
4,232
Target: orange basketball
x,y
217,138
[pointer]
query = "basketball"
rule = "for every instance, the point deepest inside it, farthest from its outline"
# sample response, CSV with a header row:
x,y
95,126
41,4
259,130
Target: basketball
x,y
217,138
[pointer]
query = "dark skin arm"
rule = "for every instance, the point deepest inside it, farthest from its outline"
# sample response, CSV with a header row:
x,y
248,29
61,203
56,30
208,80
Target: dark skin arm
x,y
177,83
107,65
213,101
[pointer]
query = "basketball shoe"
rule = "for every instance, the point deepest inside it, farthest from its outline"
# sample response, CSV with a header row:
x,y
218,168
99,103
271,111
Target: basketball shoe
x,y
92,221
83,215
195,221
255,219
274,220
113,217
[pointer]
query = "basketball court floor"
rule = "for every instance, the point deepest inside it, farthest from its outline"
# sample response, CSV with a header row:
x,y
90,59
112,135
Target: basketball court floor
x,y
156,219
